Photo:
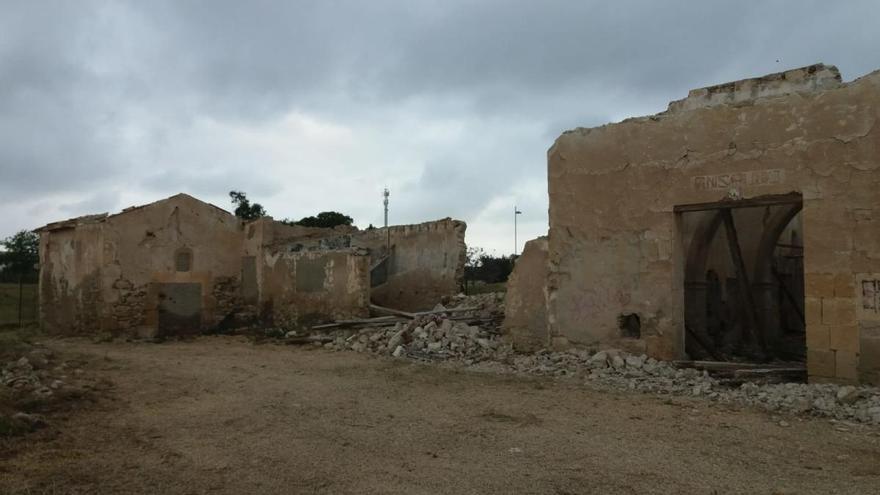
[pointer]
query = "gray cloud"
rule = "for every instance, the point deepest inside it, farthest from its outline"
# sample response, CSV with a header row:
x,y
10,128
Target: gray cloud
x,y
318,105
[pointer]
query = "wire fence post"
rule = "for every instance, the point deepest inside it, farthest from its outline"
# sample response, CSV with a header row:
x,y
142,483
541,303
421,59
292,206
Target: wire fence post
x,y
20,298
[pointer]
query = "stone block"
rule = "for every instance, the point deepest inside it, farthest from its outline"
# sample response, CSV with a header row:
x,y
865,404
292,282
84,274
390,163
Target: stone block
x,y
818,336
813,310
838,311
847,366
844,338
823,257
819,285
865,237
844,285
820,363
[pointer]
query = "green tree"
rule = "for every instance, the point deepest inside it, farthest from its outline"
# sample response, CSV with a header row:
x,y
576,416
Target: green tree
x,y
487,268
20,255
326,219
244,209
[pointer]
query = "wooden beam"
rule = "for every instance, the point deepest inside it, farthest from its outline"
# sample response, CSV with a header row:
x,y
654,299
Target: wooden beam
x,y
308,339
769,200
361,321
735,366
703,343
395,312
789,296
447,310
742,277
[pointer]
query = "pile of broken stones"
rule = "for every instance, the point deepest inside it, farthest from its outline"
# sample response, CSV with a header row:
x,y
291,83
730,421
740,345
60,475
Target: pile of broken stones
x,y
31,379
451,337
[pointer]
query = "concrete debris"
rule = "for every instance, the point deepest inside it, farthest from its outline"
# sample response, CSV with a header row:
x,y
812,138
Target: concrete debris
x,y
431,337
489,305
437,337
850,403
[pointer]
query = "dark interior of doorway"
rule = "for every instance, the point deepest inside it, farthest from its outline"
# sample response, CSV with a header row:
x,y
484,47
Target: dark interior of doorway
x,y
744,279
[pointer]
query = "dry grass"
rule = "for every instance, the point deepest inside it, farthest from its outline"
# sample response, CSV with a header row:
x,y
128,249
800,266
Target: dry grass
x,y
9,297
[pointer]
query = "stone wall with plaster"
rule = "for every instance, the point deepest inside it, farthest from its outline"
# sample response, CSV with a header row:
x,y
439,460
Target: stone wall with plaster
x,y
614,241
117,270
181,266
70,292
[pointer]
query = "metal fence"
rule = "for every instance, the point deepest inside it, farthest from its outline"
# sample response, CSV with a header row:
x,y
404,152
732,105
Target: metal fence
x,y
18,304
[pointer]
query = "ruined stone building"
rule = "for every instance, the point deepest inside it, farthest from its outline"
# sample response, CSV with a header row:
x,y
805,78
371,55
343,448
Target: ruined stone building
x,y
182,266
743,221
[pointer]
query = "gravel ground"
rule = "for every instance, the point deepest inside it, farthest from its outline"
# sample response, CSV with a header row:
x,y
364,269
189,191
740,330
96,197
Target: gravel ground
x,y
221,415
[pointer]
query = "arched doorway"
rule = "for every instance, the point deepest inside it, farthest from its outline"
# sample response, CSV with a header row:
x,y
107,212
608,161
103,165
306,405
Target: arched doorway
x,y
743,279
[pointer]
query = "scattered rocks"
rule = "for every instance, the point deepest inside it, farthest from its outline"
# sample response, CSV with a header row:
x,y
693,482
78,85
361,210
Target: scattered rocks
x,y
848,394
34,382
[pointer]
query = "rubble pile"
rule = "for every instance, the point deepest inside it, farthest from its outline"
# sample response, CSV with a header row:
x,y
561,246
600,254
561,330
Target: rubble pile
x,y
850,403
490,304
432,337
29,374
464,338
31,381
464,329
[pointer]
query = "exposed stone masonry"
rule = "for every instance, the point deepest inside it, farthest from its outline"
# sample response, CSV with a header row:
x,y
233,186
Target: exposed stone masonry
x,y
129,310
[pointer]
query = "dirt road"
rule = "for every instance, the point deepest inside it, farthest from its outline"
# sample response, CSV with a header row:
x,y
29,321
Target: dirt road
x,y
220,415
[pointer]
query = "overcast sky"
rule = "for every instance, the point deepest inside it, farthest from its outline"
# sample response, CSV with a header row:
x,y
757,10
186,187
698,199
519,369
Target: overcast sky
x,y
313,106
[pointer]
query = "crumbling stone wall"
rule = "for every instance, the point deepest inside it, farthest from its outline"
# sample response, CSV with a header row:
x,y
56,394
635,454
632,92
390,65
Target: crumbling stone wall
x,y
69,291
228,301
130,310
525,305
305,287
100,273
426,262
190,266
143,247
615,244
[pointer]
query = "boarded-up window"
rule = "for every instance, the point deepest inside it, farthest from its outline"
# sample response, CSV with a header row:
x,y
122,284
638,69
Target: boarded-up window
x,y
180,309
310,275
183,260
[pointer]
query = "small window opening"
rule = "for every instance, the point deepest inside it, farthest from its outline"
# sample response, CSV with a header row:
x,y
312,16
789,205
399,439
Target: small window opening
x,y
630,325
183,260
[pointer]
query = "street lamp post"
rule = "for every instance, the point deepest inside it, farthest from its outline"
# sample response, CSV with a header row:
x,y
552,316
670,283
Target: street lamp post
x,y
385,194
515,243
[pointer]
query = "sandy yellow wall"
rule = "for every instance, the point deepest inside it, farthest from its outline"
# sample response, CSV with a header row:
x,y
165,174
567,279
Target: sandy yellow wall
x,y
614,244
